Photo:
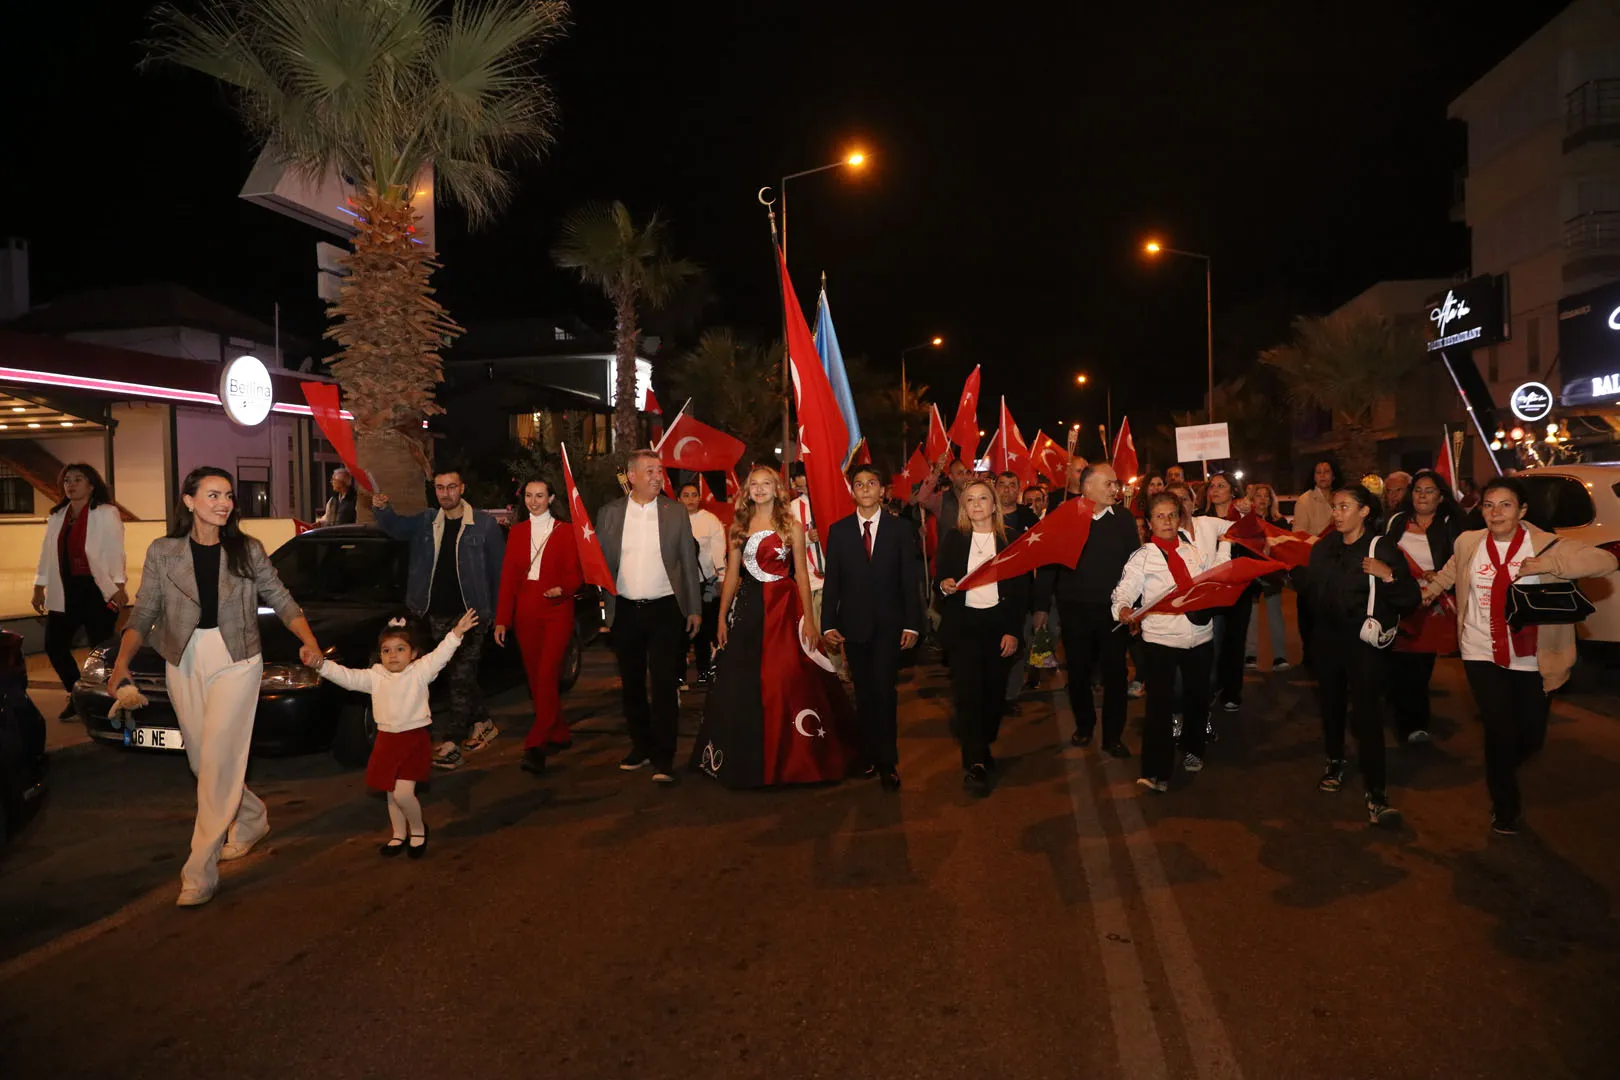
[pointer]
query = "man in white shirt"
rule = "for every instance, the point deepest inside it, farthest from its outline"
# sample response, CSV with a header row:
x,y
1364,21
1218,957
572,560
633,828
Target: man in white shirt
x,y
647,541
711,541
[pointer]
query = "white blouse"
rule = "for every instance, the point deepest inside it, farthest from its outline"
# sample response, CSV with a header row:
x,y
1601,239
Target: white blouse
x,y
1416,544
982,548
540,526
1147,579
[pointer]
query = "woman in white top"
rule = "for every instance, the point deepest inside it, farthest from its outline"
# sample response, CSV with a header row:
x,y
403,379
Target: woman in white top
x,y
80,581
981,629
1511,673
1171,644
402,756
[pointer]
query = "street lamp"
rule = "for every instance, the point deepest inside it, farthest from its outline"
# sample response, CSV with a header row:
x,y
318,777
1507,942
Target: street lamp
x,y
1153,247
935,342
1083,379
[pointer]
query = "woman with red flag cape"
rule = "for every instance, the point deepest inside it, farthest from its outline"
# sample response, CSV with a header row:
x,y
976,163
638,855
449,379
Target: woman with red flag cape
x,y
776,713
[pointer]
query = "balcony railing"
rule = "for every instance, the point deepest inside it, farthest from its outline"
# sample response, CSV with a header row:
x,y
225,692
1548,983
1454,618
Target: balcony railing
x,y
1591,112
1594,233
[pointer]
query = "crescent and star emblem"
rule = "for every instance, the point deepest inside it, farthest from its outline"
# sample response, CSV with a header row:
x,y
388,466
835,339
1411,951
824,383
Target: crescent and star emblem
x,y
679,443
798,725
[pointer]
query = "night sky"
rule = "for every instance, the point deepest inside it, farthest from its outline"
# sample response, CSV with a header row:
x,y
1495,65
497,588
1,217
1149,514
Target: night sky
x,y
1018,159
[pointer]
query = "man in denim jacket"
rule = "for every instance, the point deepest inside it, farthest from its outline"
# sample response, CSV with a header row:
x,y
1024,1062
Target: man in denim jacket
x,y
456,555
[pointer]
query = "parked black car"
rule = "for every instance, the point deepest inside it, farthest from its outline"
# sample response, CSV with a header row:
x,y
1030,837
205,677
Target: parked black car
x,y
349,579
22,740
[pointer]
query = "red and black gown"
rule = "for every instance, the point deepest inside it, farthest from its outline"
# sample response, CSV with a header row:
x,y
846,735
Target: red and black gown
x,y
776,714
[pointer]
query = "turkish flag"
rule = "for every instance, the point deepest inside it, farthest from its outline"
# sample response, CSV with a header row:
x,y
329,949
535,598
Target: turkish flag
x,y
1050,459
591,559
938,447
965,428
328,413
862,455
654,409
1217,587
916,468
823,436
1058,538
1446,464
1125,463
706,500
1008,451
692,444
1252,531
733,488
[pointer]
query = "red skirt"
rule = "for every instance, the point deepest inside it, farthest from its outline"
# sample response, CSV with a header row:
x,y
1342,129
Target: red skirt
x,y
399,755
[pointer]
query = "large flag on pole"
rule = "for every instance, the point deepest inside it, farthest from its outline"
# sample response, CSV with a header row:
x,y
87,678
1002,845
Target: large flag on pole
x,y
823,438
832,362
1217,587
1051,460
325,407
1059,538
1125,463
591,559
656,412
965,427
1008,451
1446,464
938,446
691,444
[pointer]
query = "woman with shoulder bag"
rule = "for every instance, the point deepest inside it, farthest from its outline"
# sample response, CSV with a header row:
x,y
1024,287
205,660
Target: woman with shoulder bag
x,y
1511,670
1359,589
982,627
198,608
1425,529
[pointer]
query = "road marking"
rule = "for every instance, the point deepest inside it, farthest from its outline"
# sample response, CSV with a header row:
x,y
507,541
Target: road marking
x,y
1207,1040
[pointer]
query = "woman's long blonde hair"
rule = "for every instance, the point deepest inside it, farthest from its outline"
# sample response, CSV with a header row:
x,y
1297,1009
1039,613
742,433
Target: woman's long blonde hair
x,y
744,509
1271,513
997,521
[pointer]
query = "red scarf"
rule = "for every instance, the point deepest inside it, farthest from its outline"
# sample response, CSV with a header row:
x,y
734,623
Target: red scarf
x,y
1523,642
1172,555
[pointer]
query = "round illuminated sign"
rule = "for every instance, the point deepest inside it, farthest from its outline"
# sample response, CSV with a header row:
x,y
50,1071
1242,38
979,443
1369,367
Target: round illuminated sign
x,y
1531,402
245,391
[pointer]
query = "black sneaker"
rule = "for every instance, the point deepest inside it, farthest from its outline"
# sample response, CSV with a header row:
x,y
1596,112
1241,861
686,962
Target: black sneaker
x,y
534,760
1078,739
1504,826
1210,734
1333,778
1379,812
634,760
1118,750
976,780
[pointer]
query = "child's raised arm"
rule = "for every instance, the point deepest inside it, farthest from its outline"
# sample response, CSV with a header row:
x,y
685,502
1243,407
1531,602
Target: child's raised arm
x,y
430,665
348,678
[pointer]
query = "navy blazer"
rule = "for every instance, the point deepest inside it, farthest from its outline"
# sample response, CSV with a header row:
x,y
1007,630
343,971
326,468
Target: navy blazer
x,y
862,597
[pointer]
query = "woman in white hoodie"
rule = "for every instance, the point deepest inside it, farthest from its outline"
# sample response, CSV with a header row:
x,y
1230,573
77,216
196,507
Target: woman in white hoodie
x,y
80,581
1171,644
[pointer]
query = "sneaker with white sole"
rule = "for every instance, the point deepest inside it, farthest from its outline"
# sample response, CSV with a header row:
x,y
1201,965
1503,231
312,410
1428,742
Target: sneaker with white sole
x,y
1379,812
192,896
664,774
1175,726
1251,663
238,849
482,734
447,755
634,760
1418,736
1279,664
1192,763
1149,784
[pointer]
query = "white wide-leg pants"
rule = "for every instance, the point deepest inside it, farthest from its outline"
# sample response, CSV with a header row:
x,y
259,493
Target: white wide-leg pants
x,y
215,700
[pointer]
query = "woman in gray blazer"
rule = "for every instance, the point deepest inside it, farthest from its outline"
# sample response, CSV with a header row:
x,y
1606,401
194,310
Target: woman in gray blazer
x,y
198,607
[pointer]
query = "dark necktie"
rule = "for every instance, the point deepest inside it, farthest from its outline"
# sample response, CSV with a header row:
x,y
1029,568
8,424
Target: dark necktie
x,y
867,525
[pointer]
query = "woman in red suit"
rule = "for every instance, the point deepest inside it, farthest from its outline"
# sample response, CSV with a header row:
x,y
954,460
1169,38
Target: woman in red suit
x,y
538,581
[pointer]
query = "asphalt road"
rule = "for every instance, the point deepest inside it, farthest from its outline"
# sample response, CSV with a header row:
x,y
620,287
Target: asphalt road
x,y
590,925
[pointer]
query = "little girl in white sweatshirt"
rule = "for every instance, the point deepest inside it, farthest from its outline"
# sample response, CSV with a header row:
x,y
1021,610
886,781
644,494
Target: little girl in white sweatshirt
x,y
403,753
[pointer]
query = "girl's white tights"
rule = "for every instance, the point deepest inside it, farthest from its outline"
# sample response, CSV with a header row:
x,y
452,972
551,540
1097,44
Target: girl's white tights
x,y
405,810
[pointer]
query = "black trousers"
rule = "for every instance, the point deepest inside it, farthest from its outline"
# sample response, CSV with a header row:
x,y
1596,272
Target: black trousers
x,y
1409,675
703,644
1349,672
874,668
1090,640
1234,637
1513,707
978,681
1160,665
461,691
1303,612
83,606
649,640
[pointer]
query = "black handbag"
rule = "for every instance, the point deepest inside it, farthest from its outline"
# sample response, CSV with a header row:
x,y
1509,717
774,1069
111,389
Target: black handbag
x,y
1550,603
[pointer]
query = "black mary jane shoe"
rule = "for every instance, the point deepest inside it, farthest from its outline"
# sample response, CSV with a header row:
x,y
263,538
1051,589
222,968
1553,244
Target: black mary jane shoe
x,y
534,761
391,849
416,851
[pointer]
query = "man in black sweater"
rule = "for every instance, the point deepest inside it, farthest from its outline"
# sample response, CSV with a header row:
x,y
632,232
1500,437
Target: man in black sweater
x,y
1083,593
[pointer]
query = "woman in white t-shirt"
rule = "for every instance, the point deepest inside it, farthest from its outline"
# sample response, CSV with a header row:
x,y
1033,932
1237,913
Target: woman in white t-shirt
x,y
982,629
1171,644
1511,673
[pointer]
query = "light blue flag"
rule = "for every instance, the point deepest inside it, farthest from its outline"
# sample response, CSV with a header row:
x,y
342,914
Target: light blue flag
x,y
832,361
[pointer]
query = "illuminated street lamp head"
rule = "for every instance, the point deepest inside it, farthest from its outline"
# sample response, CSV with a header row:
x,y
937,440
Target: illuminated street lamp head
x,y
1080,380
856,159
937,342
1152,247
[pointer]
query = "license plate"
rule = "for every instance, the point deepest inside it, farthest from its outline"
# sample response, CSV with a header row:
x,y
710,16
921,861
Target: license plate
x,y
155,738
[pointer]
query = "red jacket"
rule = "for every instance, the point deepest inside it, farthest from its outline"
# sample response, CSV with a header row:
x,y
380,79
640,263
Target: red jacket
x,y
559,568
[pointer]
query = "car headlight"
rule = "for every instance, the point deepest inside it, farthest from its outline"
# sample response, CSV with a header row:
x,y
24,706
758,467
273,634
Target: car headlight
x,y
288,677
95,667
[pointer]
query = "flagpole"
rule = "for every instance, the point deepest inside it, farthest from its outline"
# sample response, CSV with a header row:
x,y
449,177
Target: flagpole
x,y
659,449
779,242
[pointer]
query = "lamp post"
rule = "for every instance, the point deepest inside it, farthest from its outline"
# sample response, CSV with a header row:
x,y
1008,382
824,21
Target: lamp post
x,y
1083,379
1153,247
905,390
854,160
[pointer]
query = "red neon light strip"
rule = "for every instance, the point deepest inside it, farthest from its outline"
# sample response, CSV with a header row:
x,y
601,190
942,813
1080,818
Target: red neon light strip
x,y
115,386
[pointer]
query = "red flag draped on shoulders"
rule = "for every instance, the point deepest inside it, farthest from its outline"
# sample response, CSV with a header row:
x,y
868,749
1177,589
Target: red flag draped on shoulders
x,y
591,559
823,436
1059,538
1219,586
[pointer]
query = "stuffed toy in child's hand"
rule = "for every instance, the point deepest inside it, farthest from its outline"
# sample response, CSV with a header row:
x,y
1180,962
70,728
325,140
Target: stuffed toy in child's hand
x,y
126,699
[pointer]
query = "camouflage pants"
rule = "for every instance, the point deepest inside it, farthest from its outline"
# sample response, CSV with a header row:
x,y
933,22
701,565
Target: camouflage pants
x,y
458,700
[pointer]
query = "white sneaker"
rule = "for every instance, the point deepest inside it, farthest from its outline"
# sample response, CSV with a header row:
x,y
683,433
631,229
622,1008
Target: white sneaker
x,y
194,897
237,849
482,734
1192,763
1152,785
1175,726
447,755
1280,664
1135,689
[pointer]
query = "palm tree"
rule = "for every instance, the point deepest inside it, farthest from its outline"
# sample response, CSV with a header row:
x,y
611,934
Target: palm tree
x,y
631,265
384,93
733,383
1345,364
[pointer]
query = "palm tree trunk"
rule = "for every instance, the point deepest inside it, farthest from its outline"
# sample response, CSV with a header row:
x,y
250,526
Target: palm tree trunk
x,y
398,466
626,426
